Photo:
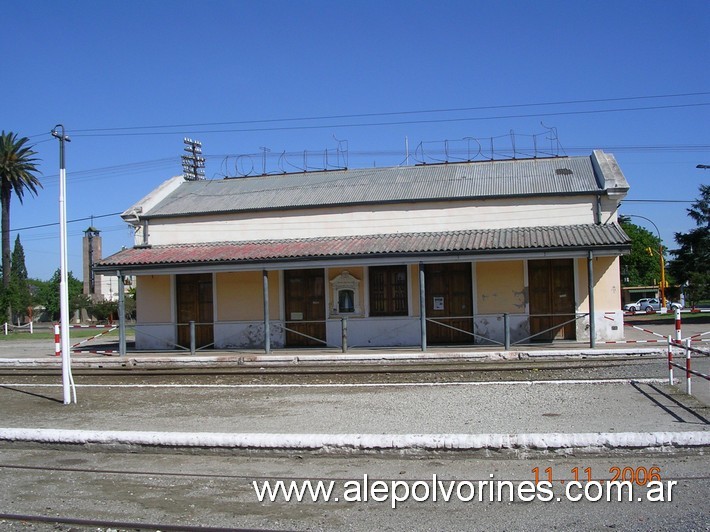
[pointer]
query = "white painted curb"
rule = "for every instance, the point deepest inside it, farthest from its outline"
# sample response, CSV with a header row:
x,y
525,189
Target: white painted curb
x,y
365,442
384,357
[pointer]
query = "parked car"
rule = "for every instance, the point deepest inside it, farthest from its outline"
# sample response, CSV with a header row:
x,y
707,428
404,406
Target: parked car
x,y
646,304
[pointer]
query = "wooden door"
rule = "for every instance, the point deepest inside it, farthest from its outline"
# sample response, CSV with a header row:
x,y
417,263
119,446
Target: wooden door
x,y
194,303
552,301
449,300
305,307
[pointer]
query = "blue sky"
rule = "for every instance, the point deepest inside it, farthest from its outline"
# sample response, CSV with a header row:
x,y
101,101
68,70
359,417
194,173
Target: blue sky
x,y
265,74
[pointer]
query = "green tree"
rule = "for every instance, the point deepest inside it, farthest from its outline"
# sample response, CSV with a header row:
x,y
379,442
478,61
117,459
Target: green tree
x,y
50,295
18,295
37,288
640,268
18,169
691,265
104,310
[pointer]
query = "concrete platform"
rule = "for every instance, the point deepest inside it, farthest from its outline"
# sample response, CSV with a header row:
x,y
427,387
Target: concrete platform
x,y
38,356
518,417
565,416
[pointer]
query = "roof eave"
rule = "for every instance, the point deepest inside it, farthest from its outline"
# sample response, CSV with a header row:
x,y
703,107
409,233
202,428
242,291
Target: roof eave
x,y
364,259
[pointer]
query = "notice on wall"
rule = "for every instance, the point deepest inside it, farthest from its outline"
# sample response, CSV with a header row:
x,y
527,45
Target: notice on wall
x,y
438,303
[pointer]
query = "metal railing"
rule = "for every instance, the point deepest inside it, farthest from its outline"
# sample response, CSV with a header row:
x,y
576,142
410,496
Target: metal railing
x,y
457,329
193,337
557,326
304,335
498,336
507,338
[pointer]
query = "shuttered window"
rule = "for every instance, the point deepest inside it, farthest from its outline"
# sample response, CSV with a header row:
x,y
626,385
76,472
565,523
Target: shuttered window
x,y
388,291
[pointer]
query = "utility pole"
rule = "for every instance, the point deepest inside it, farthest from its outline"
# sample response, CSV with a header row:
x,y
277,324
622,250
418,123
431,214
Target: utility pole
x,y
662,286
67,379
193,165
663,273
263,159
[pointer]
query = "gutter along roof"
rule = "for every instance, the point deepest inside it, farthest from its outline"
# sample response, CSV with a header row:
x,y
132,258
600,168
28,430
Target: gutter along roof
x,y
471,180
609,238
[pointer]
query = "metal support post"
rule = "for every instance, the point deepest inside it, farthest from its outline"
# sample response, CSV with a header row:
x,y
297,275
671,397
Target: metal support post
x,y
663,277
506,331
192,338
121,316
267,328
344,323
592,316
422,305
688,375
670,361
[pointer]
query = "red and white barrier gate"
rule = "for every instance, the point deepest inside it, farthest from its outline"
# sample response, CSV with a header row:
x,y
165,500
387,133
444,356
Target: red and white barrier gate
x,y
57,340
689,372
678,333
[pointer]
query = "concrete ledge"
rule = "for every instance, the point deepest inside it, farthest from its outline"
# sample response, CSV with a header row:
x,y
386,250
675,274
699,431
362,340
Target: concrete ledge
x,y
163,360
344,443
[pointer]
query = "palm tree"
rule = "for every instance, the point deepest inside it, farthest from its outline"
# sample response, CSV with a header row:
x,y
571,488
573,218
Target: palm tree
x,y
18,166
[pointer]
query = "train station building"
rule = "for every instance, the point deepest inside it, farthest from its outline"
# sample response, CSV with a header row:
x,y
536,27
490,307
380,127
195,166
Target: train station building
x,y
468,253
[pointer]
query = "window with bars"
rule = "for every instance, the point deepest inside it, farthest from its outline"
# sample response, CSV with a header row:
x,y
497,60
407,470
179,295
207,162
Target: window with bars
x,y
388,291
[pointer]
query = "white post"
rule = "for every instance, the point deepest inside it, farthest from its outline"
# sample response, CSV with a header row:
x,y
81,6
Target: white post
x,y
67,380
687,367
5,328
678,335
670,361
121,315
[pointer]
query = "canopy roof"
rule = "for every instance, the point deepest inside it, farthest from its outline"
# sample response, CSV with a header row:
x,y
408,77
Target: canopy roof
x,y
607,239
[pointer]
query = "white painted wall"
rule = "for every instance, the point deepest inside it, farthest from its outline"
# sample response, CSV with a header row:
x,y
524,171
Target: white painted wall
x,y
372,219
609,326
490,328
246,335
376,332
155,336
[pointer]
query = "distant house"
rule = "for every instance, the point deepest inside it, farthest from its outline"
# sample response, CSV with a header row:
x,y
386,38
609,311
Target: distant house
x,y
474,248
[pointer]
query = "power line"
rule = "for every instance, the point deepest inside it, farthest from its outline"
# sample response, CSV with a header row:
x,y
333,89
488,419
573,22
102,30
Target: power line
x,y
68,221
399,113
121,212
396,123
165,162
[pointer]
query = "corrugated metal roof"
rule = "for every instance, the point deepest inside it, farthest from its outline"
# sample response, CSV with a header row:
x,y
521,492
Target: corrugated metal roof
x,y
516,239
563,175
